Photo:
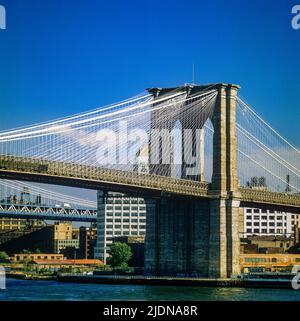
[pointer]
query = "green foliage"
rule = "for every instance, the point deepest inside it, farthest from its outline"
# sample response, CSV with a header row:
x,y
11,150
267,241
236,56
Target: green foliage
x,y
120,254
3,256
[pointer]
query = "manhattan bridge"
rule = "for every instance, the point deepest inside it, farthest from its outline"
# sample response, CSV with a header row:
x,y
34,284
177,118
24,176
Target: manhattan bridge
x,y
197,154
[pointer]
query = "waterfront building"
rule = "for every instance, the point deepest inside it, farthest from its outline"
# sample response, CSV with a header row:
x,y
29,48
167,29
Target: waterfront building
x,y
87,242
266,244
11,228
59,264
36,256
259,221
61,245
118,215
268,262
48,239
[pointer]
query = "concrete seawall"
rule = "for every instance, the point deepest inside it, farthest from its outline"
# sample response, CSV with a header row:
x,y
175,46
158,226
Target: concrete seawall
x,y
173,281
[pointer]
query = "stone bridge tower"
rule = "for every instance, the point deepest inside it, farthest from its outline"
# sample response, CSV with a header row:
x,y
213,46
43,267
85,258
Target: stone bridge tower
x,y
198,236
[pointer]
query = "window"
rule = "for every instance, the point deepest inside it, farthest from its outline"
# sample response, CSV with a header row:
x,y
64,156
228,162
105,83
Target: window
x,y
272,230
264,230
256,210
264,224
279,218
256,217
254,259
264,217
272,217
256,224
249,217
256,230
249,210
249,230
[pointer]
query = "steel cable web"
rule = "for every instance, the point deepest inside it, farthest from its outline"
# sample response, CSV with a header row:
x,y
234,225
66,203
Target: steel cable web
x,y
97,138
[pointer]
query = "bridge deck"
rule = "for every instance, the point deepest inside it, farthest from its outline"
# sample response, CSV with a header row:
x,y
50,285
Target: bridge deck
x,y
94,177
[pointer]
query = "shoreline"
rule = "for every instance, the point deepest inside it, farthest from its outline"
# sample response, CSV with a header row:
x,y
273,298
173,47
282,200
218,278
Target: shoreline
x,y
159,281
177,281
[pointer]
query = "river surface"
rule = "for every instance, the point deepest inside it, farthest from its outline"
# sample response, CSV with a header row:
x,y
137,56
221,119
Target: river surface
x,y
52,290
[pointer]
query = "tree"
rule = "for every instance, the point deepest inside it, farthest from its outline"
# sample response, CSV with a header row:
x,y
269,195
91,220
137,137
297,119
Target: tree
x,y
3,256
120,254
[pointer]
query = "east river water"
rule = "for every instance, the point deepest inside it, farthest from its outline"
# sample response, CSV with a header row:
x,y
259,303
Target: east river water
x,y
52,290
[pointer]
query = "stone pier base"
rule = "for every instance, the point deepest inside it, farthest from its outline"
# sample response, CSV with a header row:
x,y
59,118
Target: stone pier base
x,y
192,237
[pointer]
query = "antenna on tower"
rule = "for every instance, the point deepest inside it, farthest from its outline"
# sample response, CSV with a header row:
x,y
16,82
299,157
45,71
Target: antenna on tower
x,y
193,74
288,186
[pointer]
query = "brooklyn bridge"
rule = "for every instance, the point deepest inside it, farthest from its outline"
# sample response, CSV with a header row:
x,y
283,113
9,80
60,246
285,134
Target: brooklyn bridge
x,y
197,154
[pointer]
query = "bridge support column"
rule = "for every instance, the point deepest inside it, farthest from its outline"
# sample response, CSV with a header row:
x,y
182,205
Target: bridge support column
x,y
177,237
189,236
224,209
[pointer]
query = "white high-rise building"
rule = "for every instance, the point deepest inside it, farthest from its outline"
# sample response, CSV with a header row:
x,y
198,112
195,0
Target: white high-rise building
x,y
118,215
268,222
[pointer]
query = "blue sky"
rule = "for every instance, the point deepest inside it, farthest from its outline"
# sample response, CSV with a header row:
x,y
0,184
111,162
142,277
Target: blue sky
x,y
63,57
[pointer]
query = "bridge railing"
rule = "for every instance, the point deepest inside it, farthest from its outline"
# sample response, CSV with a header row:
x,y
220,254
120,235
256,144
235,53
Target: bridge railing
x,y
94,173
263,196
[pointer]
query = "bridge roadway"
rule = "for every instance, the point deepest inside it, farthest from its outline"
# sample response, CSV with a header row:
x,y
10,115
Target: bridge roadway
x,y
44,212
93,177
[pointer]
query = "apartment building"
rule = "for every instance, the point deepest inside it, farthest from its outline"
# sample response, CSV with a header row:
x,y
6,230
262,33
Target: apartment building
x,y
118,215
269,222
